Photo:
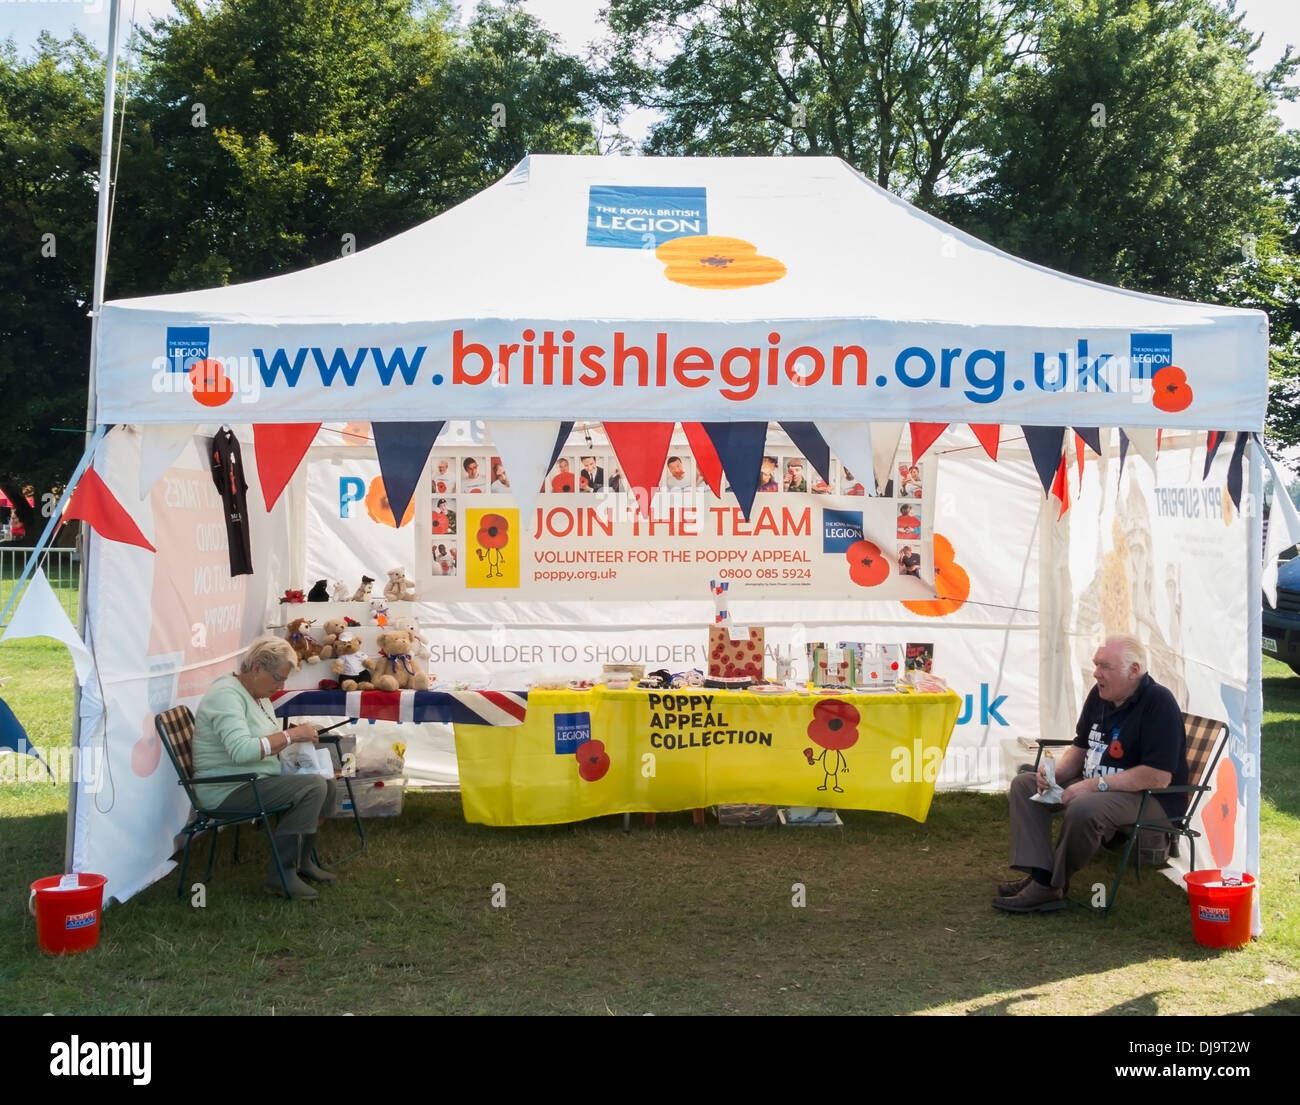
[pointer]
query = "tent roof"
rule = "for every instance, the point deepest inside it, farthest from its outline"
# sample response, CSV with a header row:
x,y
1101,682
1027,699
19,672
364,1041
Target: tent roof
x,y
862,267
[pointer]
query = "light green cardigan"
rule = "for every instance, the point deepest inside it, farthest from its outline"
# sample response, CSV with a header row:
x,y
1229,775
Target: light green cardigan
x,y
227,732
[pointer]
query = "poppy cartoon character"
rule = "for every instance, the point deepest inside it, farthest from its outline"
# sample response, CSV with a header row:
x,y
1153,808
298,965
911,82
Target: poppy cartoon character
x,y
834,727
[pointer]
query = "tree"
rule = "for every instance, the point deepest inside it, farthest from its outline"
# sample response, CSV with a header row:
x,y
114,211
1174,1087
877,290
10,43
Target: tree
x,y
891,86
1135,147
50,110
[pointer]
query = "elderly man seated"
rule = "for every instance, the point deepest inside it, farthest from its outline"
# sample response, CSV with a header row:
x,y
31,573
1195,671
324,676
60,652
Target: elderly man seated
x,y
1129,738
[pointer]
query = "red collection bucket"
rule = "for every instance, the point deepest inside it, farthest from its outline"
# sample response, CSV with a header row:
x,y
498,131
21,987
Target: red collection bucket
x,y
1220,914
67,920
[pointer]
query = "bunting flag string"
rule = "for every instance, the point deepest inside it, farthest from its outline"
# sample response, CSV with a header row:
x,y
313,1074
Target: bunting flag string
x,y
1045,444
403,449
924,434
809,441
706,456
642,449
279,448
740,448
97,506
988,436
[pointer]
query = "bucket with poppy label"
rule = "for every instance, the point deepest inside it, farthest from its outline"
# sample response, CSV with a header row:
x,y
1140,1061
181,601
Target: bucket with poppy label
x,y
1221,908
67,908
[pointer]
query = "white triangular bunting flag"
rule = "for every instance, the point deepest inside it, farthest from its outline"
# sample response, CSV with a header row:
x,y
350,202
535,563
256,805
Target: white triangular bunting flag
x,y
40,614
1143,442
1283,530
159,446
851,442
525,450
885,437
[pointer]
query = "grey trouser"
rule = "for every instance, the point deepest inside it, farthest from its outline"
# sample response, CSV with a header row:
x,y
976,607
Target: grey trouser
x,y
1087,822
308,793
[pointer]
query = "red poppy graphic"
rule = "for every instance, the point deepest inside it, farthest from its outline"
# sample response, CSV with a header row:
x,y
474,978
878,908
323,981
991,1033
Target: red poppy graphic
x,y
593,760
493,532
951,583
1115,751
867,565
211,387
834,725
441,523
1171,390
1219,815
562,482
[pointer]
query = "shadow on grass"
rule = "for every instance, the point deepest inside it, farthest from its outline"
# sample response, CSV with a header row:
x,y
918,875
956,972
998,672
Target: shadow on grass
x,y
881,916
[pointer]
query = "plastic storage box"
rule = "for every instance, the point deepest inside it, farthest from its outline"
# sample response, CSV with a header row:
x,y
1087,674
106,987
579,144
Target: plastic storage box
x,y
374,797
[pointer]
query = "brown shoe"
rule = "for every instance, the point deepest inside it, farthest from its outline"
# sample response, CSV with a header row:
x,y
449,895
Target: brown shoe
x,y
1035,898
1011,889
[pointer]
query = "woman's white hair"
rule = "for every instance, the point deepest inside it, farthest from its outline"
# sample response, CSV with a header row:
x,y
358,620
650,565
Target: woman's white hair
x,y
1130,652
270,654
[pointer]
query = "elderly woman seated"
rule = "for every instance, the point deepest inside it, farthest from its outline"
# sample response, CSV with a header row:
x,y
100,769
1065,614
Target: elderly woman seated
x,y
236,732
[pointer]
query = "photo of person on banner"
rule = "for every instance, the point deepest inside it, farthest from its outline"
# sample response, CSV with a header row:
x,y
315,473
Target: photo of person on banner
x,y
472,481
563,481
909,525
500,482
767,474
794,477
851,486
911,482
909,562
591,478
444,475
676,477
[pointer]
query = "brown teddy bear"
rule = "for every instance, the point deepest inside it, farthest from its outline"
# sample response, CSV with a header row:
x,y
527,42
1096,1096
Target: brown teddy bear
x,y
397,668
302,642
399,588
333,629
349,668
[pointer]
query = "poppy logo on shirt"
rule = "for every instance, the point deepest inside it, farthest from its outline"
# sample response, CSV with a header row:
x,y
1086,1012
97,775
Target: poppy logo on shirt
x,y
1116,750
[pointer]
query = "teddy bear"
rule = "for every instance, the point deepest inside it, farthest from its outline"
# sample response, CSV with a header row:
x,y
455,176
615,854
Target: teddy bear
x,y
302,642
349,668
399,588
379,611
318,592
412,626
397,668
331,631
362,593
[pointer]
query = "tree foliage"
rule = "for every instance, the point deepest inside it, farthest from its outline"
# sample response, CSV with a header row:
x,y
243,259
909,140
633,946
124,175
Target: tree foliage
x,y
258,137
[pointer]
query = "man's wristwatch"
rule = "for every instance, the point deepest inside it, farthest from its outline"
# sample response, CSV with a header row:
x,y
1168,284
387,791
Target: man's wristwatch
x,y
1102,786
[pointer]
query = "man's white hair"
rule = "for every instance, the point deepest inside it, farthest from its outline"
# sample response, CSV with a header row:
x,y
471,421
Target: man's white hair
x,y
1130,652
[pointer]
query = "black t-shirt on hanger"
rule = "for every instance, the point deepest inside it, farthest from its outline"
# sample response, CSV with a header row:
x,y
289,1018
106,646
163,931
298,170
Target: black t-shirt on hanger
x,y
228,475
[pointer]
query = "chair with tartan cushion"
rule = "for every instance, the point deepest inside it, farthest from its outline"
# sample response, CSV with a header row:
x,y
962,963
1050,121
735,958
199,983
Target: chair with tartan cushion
x,y
176,730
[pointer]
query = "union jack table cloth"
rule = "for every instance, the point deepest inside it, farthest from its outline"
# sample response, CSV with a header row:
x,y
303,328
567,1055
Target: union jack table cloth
x,y
449,707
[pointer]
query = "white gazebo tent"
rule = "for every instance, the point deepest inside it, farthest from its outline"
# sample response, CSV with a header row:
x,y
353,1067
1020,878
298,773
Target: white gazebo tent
x,y
799,291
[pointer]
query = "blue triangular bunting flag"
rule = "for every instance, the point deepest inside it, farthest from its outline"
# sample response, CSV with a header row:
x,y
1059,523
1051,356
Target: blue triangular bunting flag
x,y
403,448
1212,442
740,449
809,441
13,735
1234,469
561,440
1045,448
1091,437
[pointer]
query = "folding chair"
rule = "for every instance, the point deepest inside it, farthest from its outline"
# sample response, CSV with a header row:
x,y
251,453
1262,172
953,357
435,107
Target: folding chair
x,y
176,730
1206,738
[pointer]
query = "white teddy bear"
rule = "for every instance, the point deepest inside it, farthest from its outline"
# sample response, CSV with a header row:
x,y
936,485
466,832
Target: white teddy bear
x,y
399,588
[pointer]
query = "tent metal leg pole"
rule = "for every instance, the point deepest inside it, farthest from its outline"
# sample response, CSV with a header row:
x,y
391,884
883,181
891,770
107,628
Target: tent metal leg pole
x,y
1254,712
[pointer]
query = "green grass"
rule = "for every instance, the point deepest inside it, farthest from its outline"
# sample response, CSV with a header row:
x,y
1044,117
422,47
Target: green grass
x,y
670,919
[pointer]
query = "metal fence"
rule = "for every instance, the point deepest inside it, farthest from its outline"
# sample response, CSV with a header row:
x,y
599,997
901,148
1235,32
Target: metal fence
x,y
62,567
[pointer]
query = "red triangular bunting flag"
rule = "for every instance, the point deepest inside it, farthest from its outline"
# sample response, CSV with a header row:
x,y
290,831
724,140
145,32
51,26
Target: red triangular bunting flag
x,y
279,450
924,434
988,437
1159,437
642,448
1212,440
1061,487
98,507
706,456
1079,446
